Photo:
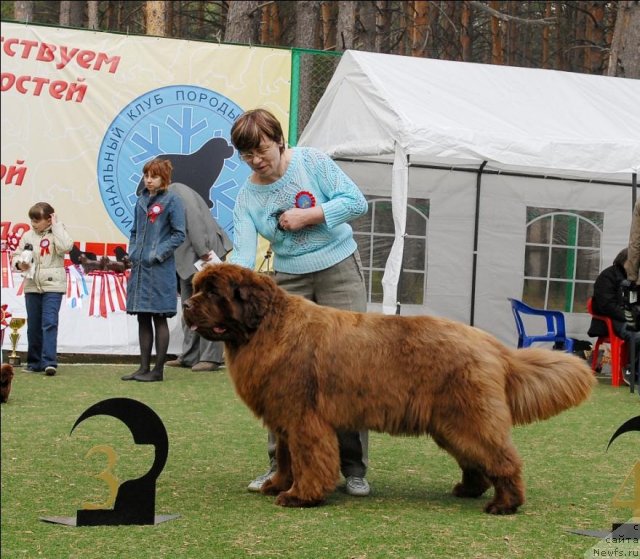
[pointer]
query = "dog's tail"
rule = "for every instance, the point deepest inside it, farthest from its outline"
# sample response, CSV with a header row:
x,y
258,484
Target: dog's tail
x,y
541,383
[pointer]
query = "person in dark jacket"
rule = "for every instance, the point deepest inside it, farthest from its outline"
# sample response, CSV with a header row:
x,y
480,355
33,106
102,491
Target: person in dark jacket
x,y
152,290
203,236
608,300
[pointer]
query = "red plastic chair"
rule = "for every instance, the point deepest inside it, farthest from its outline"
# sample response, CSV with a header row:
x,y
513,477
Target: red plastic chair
x,y
619,353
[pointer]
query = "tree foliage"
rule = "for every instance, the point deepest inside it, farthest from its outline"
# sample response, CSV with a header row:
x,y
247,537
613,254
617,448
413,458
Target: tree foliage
x,y
588,36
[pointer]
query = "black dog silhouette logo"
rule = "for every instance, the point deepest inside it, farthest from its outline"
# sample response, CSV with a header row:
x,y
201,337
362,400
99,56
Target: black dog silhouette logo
x,y
201,169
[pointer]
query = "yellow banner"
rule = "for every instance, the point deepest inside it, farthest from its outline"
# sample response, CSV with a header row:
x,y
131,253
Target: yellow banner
x,y
82,112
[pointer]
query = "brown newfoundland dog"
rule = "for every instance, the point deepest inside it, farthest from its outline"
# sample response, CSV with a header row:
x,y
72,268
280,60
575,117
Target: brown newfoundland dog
x,y
6,376
308,371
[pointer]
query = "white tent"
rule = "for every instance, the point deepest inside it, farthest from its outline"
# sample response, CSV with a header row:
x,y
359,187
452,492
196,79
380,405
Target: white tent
x,y
487,147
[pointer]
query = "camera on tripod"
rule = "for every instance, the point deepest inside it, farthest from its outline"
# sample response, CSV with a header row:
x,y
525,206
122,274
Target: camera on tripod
x,y
631,306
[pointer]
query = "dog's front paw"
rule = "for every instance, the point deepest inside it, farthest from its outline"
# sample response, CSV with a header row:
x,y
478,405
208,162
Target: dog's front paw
x,y
287,500
269,488
465,491
501,508
277,484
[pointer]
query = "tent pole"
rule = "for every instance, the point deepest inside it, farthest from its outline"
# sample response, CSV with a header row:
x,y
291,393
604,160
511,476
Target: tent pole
x,y
475,245
404,236
393,267
634,189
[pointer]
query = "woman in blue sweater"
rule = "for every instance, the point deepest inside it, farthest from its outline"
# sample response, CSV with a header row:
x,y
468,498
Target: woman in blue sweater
x,y
300,201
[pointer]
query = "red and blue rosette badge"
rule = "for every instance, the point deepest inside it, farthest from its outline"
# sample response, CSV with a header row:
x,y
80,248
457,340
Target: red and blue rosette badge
x,y
154,212
44,247
305,200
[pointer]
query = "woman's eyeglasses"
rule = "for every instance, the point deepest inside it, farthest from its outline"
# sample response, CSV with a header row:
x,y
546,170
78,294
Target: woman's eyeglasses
x,y
260,153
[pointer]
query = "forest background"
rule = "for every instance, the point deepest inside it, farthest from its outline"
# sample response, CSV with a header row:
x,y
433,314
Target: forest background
x,y
592,37
586,36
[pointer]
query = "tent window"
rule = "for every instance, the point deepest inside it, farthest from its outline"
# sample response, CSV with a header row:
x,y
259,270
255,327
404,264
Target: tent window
x,y
374,234
562,258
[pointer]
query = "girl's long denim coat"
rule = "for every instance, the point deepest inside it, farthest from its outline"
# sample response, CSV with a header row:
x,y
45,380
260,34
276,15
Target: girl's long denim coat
x,y
152,285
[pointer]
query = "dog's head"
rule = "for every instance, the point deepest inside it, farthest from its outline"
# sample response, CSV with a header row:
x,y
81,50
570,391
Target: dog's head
x,y
229,303
6,376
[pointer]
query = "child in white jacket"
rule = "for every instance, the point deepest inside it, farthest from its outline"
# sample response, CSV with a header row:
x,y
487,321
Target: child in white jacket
x,y
44,285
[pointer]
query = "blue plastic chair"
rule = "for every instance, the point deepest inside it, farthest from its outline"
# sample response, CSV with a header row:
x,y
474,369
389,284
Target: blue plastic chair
x,y
556,331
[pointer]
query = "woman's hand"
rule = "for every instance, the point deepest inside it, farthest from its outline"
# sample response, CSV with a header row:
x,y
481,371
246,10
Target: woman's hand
x,y
295,219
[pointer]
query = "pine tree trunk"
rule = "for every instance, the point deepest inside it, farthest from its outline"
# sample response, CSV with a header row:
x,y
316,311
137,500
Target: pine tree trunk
x,y
420,34
243,22
346,24
71,13
496,37
383,25
546,32
465,32
92,14
307,29
327,14
156,17
367,15
624,58
23,11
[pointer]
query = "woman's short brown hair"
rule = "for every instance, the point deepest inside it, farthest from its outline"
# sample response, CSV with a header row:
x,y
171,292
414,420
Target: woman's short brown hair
x,y
247,132
159,168
41,210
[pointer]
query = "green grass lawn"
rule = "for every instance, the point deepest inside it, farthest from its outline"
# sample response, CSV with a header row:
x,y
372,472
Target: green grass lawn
x,y
216,447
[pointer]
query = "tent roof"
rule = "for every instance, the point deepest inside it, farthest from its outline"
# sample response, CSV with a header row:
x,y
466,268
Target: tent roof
x,y
458,113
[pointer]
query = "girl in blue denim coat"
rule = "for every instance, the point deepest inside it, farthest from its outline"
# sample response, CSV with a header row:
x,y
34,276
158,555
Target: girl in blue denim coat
x,y
158,229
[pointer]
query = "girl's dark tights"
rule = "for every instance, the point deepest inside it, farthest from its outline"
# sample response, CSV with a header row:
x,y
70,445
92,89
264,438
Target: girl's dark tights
x,y
147,322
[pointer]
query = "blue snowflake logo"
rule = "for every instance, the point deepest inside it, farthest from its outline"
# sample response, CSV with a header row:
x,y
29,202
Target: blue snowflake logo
x,y
190,126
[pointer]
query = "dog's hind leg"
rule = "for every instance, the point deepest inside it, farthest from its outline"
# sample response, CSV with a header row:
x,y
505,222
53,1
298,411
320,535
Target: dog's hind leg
x,y
509,494
502,465
474,482
485,451
315,462
499,465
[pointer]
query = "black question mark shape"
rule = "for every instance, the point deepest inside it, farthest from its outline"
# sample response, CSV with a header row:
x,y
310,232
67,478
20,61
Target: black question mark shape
x,y
135,501
632,424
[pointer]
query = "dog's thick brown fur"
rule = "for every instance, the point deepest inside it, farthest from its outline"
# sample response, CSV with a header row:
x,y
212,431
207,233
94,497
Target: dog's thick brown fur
x,y
308,371
6,376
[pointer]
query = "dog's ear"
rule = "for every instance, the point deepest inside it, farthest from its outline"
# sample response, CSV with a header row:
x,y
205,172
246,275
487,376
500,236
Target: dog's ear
x,y
254,302
249,306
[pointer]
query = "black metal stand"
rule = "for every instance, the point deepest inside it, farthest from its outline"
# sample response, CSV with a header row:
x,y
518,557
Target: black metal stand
x,y
265,265
135,498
